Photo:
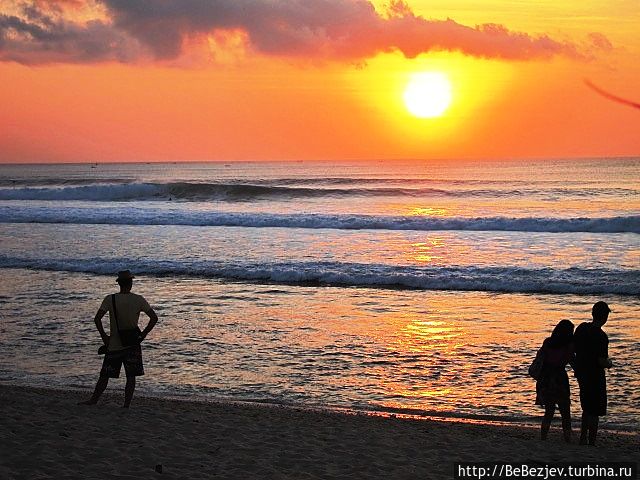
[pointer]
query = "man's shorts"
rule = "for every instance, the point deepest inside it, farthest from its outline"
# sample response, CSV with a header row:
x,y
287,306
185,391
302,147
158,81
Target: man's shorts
x,y
132,359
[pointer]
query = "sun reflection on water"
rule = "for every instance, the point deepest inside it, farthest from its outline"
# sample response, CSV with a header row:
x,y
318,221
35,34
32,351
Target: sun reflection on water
x,y
433,249
427,212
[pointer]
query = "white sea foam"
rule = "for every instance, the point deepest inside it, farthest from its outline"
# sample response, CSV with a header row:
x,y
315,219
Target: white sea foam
x,y
491,279
128,215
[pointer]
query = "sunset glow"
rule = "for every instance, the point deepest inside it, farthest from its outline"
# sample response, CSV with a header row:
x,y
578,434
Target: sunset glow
x,y
428,95
101,83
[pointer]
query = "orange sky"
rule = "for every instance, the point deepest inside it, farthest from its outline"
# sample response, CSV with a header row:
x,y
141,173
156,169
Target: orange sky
x,y
111,80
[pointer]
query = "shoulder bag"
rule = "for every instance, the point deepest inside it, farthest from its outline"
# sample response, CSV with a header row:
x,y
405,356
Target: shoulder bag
x,y
535,369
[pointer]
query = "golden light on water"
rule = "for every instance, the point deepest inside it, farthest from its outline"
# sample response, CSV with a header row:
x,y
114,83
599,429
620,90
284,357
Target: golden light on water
x,y
428,212
428,95
429,251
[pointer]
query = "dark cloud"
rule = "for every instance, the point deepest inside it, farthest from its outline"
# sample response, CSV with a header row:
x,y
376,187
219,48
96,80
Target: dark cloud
x,y
350,30
38,35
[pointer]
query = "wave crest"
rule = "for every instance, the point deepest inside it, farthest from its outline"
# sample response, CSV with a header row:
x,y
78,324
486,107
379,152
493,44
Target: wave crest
x,y
150,216
187,191
488,279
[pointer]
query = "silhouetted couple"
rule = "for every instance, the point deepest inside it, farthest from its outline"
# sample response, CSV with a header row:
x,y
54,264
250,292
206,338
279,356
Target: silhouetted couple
x,y
122,345
587,351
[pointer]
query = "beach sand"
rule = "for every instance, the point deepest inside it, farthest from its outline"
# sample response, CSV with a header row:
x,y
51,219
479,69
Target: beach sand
x,y
46,435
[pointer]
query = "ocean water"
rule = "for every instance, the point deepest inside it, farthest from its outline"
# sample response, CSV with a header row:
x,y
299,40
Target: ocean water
x,y
413,287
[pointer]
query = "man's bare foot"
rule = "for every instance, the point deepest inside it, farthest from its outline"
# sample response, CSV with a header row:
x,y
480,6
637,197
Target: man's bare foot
x,y
88,402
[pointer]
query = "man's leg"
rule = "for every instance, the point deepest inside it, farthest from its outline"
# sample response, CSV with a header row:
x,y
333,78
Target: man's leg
x,y
133,367
129,388
584,428
593,428
584,422
589,429
103,381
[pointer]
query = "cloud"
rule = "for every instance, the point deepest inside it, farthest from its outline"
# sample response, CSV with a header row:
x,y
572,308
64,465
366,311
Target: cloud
x,y
41,35
600,41
344,30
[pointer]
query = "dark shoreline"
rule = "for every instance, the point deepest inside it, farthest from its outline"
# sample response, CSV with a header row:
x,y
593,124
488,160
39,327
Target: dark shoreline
x,y
528,423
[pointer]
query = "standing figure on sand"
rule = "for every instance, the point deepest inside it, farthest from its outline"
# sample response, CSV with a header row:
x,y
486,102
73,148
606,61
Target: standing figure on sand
x,y
592,357
552,386
586,351
123,342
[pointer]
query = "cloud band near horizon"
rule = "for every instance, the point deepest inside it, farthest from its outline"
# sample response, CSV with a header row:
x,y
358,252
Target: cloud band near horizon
x,y
130,31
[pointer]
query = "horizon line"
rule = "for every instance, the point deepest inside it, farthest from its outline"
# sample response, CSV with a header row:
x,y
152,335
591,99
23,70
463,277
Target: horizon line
x,y
336,160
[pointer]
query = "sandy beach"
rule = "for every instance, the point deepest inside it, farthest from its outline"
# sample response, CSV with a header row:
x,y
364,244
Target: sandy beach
x,y
46,435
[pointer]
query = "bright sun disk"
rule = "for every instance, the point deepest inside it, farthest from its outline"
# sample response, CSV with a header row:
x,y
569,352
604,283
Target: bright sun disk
x,y
427,95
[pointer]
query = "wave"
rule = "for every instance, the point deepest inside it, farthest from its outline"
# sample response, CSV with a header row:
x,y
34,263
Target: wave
x,y
150,216
487,279
186,191
57,182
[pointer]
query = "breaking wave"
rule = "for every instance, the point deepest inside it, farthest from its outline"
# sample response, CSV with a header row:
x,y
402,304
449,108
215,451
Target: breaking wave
x,y
185,191
489,279
149,216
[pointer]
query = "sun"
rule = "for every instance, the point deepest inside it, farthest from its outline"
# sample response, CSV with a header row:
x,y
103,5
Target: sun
x,y
428,94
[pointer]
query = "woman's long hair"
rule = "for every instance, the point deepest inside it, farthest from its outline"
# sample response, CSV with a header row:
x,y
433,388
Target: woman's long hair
x,y
562,334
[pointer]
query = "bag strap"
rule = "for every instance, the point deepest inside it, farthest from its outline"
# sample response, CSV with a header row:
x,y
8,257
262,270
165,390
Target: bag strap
x,y
115,311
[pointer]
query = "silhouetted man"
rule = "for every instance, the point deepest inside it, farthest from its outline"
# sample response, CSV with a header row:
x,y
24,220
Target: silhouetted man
x,y
592,357
124,310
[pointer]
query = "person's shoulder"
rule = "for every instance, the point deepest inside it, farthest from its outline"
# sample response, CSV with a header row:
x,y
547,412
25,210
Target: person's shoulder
x,y
141,301
106,300
582,333
549,345
583,327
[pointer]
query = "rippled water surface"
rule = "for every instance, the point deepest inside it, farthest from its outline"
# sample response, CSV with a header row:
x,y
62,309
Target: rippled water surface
x,y
373,286
460,353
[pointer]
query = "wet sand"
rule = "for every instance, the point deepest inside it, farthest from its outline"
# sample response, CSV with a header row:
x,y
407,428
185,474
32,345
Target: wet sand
x,y
46,435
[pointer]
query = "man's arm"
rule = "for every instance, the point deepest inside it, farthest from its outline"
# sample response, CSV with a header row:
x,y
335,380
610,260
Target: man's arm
x,y
605,362
153,319
603,355
98,321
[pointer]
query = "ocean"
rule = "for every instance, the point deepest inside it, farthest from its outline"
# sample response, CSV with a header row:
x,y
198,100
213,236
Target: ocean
x,y
421,288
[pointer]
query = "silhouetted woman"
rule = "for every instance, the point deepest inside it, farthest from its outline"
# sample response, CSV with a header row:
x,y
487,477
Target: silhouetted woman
x,y
552,387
